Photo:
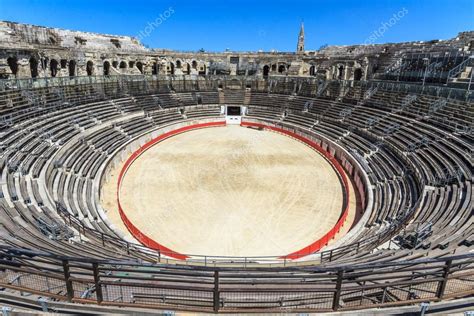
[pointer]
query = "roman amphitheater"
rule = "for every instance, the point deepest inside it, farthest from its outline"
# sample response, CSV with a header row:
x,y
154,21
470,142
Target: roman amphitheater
x,y
138,180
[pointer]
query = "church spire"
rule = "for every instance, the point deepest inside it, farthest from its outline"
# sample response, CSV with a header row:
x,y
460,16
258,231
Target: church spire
x,y
300,47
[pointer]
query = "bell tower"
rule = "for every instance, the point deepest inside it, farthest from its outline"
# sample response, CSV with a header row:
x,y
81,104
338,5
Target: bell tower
x,y
300,47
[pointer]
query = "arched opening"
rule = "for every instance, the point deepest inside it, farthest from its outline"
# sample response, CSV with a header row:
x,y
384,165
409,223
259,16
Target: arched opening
x,y
53,66
90,68
187,69
13,64
266,70
274,67
357,74
115,64
312,71
194,64
72,68
155,69
281,68
171,69
178,64
106,68
34,67
340,72
140,66
63,63
202,70
131,64
123,65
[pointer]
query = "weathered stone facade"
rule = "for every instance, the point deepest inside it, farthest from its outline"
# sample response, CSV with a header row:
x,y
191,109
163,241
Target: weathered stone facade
x,y
31,51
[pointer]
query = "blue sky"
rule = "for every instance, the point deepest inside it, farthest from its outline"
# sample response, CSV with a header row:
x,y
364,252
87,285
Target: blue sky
x,y
249,25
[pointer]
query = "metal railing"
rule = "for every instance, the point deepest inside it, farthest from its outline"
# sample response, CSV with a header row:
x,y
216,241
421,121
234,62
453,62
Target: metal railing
x,y
303,289
151,83
459,68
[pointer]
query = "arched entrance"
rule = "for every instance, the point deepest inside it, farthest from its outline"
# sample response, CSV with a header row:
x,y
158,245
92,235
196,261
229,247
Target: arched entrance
x,y
171,69
358,74
72,68
340,72
140,66
53,66
202,70
266,70
156,69
90,68
13,64
281,69
123,65
34,67
106,68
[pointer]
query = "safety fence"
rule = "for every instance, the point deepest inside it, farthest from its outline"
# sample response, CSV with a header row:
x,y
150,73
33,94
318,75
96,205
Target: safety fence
x,y
310,289
114,86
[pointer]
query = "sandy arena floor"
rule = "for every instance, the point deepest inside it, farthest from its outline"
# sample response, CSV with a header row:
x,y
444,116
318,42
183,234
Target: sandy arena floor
x,y
229,191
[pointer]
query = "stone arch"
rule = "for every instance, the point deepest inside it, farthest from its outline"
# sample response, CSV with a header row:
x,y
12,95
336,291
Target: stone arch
x,y
106,68
194,64
202,69
357,74
281,68
187,69
178,64
33,67
53,67
115,64
266,70
340,72
13,64
72,68
139,66
123,65
155,69
171,68
90,68
312,70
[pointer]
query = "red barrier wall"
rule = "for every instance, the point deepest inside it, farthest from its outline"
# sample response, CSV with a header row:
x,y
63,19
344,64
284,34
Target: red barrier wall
x,y
144,239
315,246
323,241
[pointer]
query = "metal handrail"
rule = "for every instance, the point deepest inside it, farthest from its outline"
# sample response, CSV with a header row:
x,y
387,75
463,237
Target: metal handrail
x,y
217,289
459,68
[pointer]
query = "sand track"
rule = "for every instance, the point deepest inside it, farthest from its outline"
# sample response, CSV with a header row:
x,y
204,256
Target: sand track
x,y
230,191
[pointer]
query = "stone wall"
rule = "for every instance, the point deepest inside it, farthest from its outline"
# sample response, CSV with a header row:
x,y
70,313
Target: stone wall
x,y
32,51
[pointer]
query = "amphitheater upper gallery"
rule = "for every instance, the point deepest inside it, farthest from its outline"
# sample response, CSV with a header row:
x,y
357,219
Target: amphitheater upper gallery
x,y
144,180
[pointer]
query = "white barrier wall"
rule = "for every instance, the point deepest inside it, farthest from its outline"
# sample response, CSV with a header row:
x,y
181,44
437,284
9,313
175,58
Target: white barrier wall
x,y
230,119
